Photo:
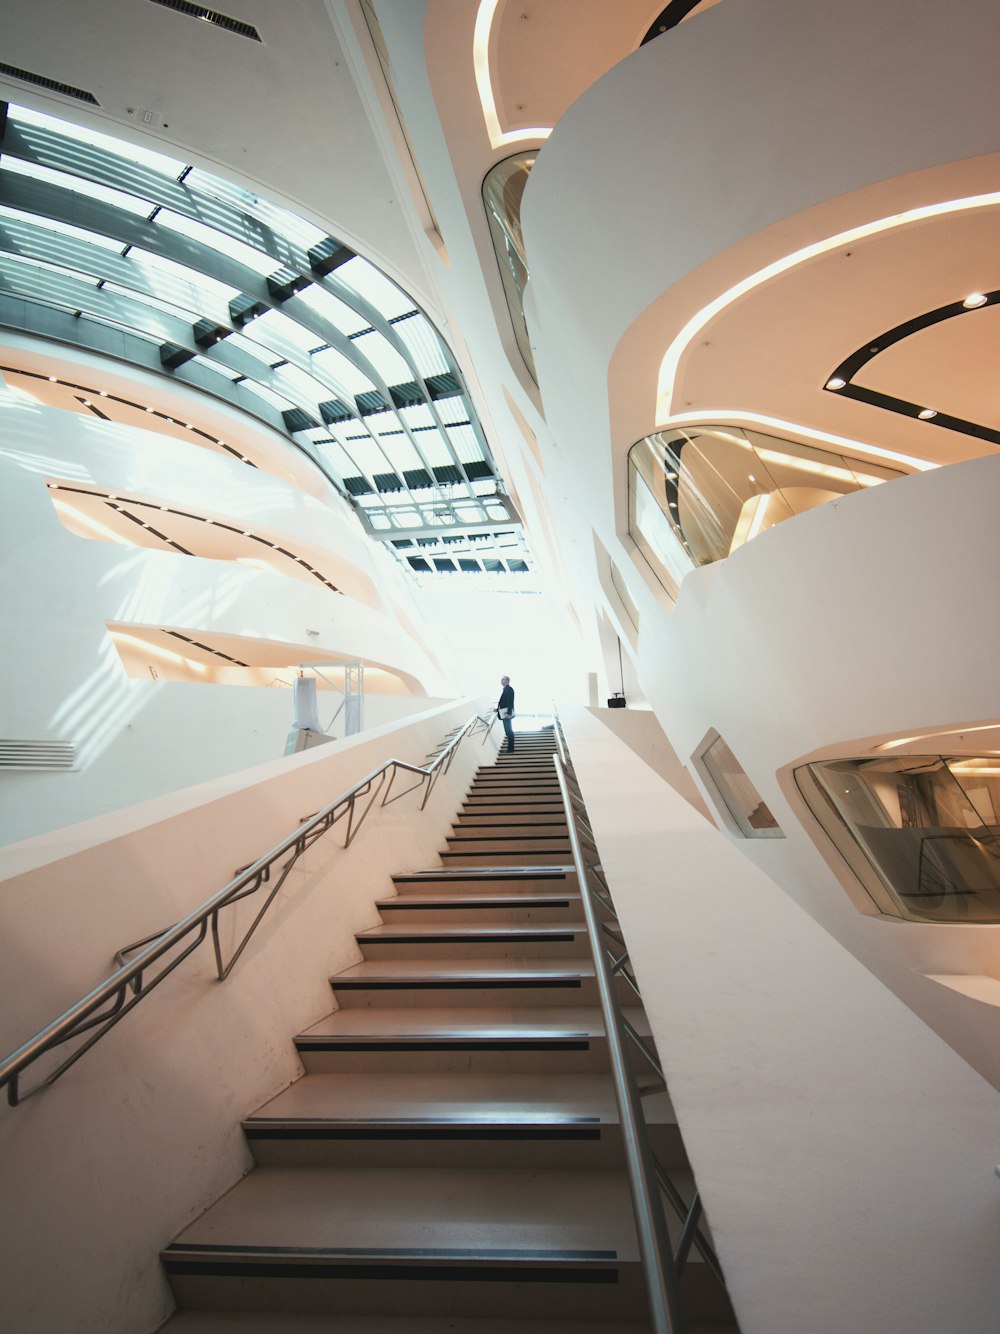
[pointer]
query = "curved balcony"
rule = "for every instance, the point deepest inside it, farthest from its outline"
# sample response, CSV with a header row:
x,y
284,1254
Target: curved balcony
x,y
503,189
921,832
696,495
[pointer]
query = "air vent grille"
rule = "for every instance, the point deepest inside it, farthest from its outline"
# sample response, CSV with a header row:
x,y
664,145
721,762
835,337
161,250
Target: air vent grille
x,y
236,26
37,755
52,85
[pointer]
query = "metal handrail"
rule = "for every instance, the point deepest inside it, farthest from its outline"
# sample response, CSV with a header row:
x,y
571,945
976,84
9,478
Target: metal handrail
x,y
662,1286
662,1264
104,1007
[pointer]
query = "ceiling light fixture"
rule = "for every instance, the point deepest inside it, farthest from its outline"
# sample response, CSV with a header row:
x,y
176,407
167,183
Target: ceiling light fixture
x,y
974,299
53,380
484,85
836,382
925,414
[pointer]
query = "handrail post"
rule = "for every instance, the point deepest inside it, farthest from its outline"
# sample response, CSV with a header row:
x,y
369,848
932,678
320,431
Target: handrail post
x,y
662,1288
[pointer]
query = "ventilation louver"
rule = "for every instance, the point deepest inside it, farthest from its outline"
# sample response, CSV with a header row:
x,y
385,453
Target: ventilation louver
x,y
211,16
52,85
37,755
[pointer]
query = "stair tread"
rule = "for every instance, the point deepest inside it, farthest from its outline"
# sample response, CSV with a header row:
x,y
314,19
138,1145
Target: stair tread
x,y
241,1322
457,1214
468,931
455,873
459,1022
482,900
401,969
513,1098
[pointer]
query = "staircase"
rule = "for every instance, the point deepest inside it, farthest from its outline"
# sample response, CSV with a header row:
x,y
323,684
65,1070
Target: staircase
x,y
451,1159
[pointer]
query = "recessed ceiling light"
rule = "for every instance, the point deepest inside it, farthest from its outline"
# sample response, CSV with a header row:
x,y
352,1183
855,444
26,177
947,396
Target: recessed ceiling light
x,y
925,414
85,402
835,382
104,393
189,426
53,380
671,477
53,486
150,409
973,300
673,504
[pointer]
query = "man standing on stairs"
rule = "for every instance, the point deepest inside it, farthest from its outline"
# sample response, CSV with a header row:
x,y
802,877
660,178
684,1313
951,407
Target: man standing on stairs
x,y
505,710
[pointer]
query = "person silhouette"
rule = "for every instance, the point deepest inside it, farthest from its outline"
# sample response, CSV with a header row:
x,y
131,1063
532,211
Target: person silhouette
x,y
505,710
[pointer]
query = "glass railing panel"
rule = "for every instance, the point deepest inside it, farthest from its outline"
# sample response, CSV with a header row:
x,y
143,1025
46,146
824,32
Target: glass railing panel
x,y
744,803
503,189
720,487
926,828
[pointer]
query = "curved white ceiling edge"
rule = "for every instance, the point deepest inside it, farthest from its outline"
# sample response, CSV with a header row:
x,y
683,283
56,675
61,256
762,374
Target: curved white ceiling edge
x,y
672,357
499,138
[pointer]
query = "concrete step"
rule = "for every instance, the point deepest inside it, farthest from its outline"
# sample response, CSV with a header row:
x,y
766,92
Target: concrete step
x,y
477,907
468,941
515,983
526,820
456,1120
536,857
467,879
440,1040
245,1322
526,844
415,1242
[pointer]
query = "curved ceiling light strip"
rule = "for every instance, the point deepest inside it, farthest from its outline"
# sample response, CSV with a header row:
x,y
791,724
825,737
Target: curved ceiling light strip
x,y
499,138
840,382
293,326
671,359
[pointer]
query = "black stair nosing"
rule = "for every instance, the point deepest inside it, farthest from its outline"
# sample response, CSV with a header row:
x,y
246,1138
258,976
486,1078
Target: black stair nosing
x,y
483,873
473,936
426,1129
463,983
456,904
500,838
407,1264
445,1042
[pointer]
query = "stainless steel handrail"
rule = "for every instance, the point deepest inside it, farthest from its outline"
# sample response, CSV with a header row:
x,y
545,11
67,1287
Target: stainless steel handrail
x,y
662,1287
104,1007
611,961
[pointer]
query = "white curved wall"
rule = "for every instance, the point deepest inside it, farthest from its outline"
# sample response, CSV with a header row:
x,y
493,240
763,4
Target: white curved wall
x,y
866,617
60,676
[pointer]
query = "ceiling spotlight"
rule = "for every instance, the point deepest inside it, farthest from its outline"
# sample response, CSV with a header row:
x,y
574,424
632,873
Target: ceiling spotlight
x,y
53,486
53,380
104,393
671,477
189,426
150,409
835,382
973,300
673,504
925,414
85,402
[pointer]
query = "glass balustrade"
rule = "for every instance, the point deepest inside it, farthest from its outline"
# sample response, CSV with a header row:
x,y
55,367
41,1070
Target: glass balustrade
x,y
922,832
696,495
502,192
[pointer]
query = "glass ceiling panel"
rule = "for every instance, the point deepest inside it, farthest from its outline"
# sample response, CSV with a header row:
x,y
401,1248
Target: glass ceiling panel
x,y
49,266
417,416
179,296
217,367
278,401
343,372
168,278
452,410
216,240
424,345
303,389
374,287
464,442
277,331
190,312
333,309
384,358
119,147
77,185
281,222
63,228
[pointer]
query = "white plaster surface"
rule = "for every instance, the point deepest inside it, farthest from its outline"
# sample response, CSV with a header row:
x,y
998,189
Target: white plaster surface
x,y
844,1151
